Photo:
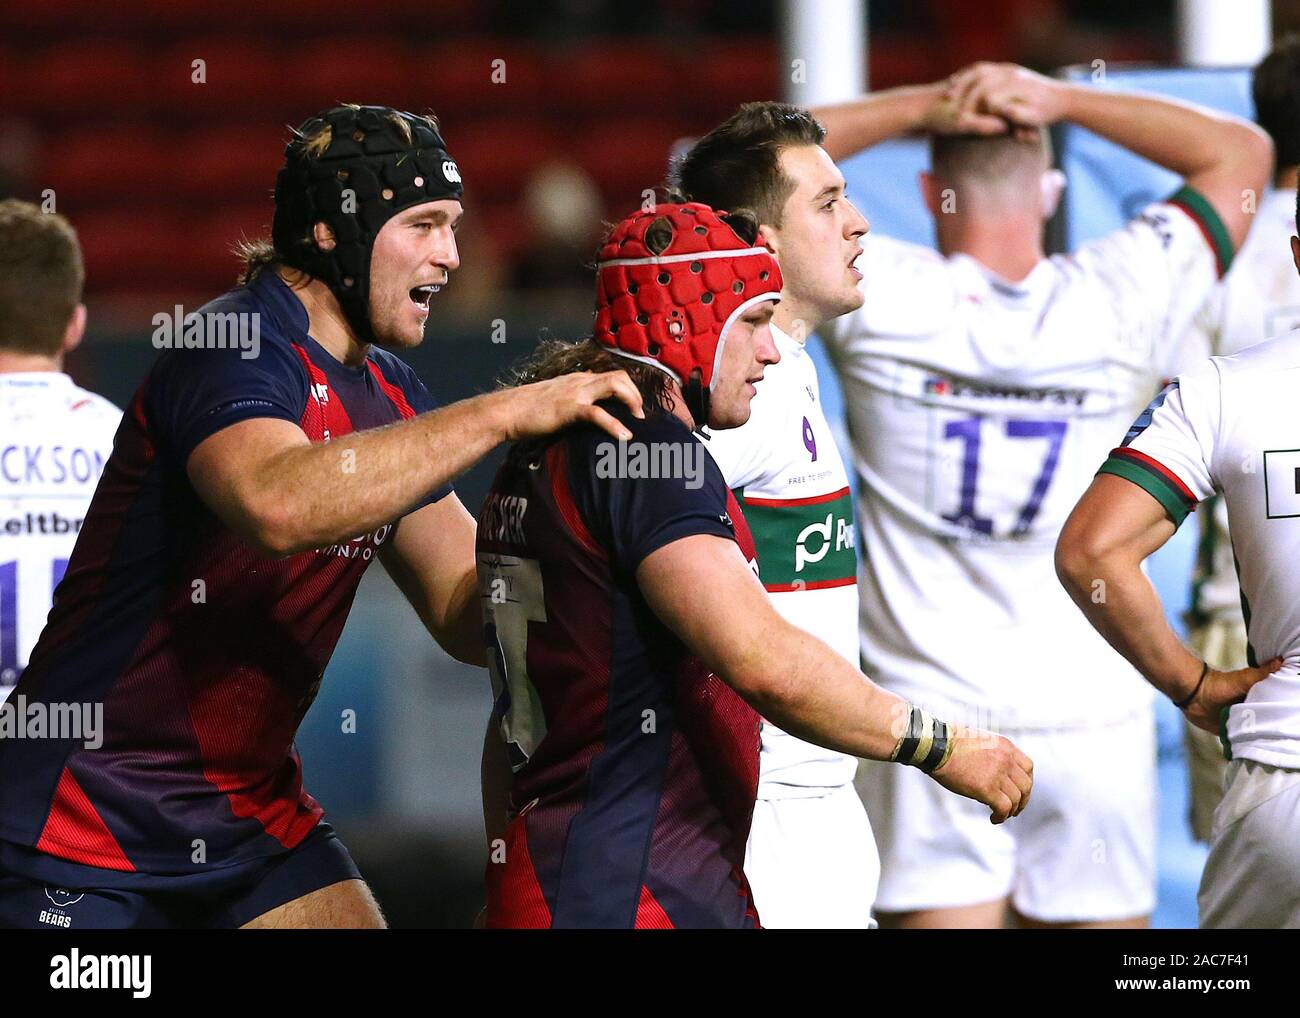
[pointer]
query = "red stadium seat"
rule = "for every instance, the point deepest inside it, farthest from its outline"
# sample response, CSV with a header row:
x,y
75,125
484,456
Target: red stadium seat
x,y
73,79
612,79
496,157
626,156
376,70
459,79
94,166
236,162
136,249
735,71
240,77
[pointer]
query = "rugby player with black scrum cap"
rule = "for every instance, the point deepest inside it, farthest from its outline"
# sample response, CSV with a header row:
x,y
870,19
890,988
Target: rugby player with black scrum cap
x,y
244,498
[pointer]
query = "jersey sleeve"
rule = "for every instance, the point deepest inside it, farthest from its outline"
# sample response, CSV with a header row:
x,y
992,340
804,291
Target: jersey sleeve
x,y
1169,451
1161,268
657,488
193,394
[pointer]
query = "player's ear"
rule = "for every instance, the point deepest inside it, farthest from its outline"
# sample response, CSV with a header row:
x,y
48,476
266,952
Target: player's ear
x,y
1295,252
75,330
772,236
323,236
1051,185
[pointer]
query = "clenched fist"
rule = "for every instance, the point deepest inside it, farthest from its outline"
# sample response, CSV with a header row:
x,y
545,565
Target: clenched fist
x,y
989,769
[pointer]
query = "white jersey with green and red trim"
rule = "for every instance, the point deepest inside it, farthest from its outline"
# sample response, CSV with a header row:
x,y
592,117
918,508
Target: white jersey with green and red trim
x,y
978,409
1258,299
54,441
791,484
1227,425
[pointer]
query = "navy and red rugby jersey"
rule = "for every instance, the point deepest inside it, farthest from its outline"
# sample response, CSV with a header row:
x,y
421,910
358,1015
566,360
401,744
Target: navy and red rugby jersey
x,y
635,767
204,653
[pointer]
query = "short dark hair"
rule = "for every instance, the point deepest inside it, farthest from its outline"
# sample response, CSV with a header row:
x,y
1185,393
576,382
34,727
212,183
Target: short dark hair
x,y
993,158
1276,90
41,276
737,164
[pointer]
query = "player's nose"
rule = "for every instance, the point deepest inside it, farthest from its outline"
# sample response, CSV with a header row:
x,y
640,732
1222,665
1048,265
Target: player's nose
x,y
856,225
448,255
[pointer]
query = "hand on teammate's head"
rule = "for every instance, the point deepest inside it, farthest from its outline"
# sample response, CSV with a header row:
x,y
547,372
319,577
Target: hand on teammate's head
x,y
1019,97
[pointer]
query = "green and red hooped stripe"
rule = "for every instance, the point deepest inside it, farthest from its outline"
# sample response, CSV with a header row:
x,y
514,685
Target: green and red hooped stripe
x,y
1202,212
833,496
1154,478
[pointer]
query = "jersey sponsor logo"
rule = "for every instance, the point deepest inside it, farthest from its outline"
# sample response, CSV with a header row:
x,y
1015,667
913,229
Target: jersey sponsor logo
x,y
363,547
965,389
42,523
212,330
803,543
502,518
54,464
809,538
320,392
61,897
652,460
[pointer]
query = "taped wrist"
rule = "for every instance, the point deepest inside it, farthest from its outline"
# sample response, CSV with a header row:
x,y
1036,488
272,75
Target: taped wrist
x,y
927,742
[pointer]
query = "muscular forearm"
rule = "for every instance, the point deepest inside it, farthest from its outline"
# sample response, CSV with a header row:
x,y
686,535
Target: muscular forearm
x,y
324,493
1119,601
861,123
1190,140
796,681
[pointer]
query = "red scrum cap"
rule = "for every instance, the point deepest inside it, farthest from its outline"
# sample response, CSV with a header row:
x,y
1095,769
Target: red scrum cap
x,y
671,304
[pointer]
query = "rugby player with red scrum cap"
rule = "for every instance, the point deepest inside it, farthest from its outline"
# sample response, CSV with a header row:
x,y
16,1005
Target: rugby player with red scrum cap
x,y
631,646
250,486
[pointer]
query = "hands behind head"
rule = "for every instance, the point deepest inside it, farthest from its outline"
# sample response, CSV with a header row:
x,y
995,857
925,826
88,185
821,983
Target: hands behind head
x,y
991,99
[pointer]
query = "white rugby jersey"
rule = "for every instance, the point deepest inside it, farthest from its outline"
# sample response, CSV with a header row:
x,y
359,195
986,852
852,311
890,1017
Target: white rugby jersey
x,y
791,484
1229,425
1258,298
54,441
978,410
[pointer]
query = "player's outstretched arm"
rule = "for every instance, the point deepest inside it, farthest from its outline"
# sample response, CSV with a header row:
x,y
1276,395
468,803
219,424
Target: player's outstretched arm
x,y
285,494
1222,157
861,123
702,589
1099,555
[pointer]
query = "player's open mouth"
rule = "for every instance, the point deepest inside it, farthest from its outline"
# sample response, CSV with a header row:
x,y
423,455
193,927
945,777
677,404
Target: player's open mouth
x,y
421,295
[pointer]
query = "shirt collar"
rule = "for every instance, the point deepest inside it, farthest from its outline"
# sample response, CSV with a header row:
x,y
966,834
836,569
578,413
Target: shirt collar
x,y
280,300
